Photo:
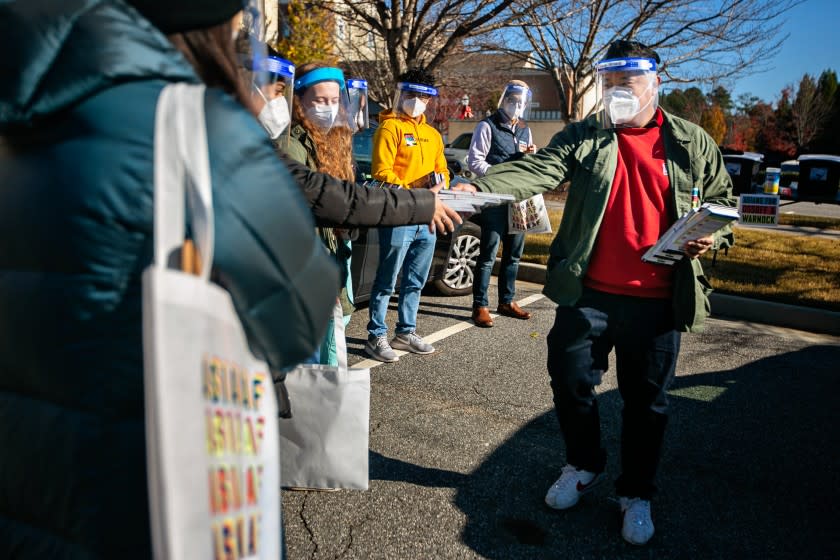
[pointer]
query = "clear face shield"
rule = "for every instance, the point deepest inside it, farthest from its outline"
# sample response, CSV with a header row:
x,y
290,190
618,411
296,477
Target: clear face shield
x,y
272,93
322,95
627,90
357,91
414,100
249,31
515,102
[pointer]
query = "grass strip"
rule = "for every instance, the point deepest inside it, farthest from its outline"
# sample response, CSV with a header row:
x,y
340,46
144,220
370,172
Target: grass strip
x,y
785,268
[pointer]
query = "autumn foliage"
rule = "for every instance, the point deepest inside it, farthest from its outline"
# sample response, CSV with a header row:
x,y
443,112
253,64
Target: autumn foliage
x,y
713,121
309,34
801,120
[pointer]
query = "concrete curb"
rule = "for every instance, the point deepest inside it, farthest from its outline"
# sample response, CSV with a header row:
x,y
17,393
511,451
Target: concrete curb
x,y
740,308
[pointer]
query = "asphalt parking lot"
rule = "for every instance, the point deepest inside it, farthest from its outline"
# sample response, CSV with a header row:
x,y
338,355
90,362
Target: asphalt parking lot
x,y
464,443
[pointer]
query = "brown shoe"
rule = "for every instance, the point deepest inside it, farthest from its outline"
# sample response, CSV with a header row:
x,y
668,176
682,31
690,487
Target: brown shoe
x,y
481,317
512,310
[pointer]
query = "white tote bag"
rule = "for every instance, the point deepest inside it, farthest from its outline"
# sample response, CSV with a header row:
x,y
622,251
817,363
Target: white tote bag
x,y
325,442
529,216
211,415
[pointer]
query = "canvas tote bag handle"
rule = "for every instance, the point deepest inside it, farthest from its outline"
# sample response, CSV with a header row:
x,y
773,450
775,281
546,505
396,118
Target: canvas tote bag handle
x,y
340,340
181,158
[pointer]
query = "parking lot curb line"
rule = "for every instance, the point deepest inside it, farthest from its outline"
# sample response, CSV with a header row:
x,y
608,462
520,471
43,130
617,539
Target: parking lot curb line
x,y
444,333
743,309
779,314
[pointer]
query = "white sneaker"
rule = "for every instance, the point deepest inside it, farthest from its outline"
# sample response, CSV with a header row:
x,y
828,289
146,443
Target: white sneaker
x,y
571,485
637,526
412,342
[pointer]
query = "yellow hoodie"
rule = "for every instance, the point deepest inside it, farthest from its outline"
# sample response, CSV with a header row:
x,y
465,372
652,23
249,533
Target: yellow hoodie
x,y
405,150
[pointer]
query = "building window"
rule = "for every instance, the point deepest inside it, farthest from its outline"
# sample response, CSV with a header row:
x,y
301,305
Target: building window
x,y
340,29
370,39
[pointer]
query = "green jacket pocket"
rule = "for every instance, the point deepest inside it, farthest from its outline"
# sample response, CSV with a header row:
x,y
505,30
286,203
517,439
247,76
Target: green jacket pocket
x,y
691,296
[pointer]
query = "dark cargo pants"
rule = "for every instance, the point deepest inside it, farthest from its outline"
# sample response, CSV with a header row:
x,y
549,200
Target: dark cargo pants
x,y
646,346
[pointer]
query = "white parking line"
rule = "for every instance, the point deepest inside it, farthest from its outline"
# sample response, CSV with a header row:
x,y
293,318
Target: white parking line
x,y
445,333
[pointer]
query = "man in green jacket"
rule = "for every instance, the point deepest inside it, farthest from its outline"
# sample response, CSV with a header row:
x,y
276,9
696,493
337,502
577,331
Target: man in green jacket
x,y
634,169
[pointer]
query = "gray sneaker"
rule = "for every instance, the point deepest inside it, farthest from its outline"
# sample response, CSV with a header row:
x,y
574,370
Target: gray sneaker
x,y
411,342
377,347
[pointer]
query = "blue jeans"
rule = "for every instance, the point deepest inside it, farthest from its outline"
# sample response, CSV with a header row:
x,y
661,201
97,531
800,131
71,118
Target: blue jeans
x,y
406,249
494,229
327,353
646,348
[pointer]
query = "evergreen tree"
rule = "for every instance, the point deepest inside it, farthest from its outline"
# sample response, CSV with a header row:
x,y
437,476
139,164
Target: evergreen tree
x,y
828,141
721,97
809,112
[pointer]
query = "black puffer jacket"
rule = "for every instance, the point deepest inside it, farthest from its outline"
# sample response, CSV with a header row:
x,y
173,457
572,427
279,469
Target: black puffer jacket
x,y
337,203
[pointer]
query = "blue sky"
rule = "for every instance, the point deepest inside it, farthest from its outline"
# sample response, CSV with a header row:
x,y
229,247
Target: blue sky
x,y
813,45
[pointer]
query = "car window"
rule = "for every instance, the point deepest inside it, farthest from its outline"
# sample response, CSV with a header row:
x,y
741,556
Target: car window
x,y
462,142
363,145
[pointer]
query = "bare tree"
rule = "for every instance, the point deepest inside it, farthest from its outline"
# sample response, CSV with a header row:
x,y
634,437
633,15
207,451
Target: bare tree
x,y
425,32
809,111
698,40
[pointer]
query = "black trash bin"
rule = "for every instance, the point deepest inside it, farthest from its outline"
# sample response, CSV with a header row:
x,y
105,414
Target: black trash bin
x,y
743,168
819,178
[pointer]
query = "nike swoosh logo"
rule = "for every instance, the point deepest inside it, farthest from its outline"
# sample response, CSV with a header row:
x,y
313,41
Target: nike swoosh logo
x,y
584,487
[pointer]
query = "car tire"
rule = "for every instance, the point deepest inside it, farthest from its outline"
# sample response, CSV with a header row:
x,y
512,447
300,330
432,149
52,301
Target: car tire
x,y
458,277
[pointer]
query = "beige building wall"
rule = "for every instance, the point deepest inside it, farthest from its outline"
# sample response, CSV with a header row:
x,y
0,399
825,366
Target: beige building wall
x,y
353,42
271,9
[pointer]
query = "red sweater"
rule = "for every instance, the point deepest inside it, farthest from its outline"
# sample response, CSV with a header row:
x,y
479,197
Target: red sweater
x,y
636,216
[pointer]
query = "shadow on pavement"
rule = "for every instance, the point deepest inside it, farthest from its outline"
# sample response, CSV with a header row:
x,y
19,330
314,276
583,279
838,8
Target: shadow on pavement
x,y
750,470
388,468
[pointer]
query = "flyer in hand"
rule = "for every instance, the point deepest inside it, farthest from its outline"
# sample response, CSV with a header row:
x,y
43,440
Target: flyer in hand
x,y
697,223
460,201
472,203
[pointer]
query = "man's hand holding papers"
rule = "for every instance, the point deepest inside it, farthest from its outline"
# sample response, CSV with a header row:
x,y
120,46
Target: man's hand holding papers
x,y
691,235
697,247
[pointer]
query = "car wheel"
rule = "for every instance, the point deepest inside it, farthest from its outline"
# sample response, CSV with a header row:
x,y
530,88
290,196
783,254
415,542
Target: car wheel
x,y
460,269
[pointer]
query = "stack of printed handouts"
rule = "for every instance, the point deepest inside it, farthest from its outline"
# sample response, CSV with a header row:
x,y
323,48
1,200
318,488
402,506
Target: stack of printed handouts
x,y
697,223
472,203
460,201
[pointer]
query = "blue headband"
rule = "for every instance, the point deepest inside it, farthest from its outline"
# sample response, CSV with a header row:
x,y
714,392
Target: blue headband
x,y
275,65
626,65
417,88
320,75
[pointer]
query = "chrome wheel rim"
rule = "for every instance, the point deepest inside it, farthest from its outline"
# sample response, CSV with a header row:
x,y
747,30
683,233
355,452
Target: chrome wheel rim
x,y
462,259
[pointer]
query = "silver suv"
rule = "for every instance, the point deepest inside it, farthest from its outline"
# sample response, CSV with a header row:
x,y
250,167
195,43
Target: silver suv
x,y
456,155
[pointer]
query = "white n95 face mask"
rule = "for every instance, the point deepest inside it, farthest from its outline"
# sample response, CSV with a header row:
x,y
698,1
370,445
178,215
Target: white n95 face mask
x,y
621,104
322,116
274,117
513,109
414,107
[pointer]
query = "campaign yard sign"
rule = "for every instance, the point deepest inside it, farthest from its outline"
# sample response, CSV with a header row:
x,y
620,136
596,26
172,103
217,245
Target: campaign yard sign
x,y
759,209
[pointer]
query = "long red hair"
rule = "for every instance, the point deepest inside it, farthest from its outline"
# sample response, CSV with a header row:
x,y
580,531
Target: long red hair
x,y
334,148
